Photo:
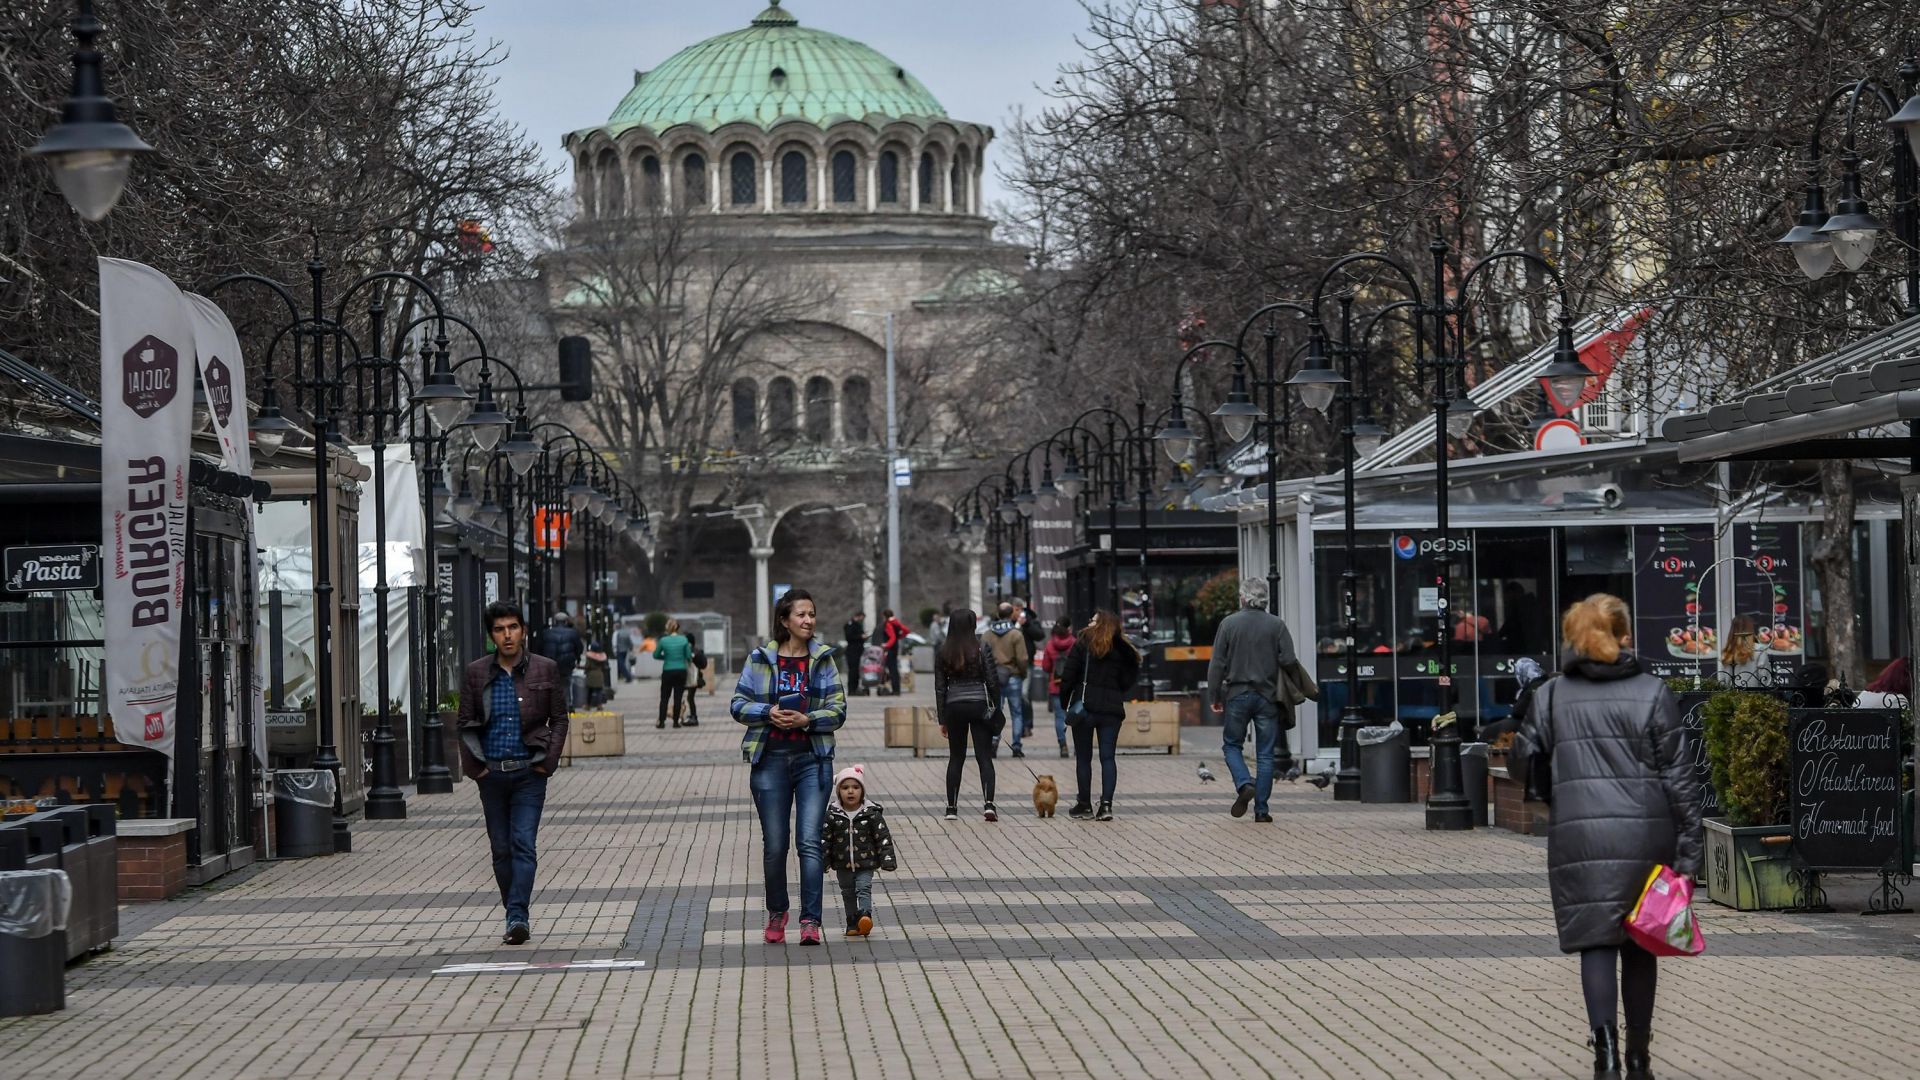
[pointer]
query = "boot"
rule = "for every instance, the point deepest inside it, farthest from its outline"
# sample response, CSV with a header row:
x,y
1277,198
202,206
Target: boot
x,y
1639,1060
1606,1053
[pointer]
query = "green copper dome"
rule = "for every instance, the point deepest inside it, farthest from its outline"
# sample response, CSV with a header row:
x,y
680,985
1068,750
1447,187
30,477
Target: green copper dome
x,y
773,70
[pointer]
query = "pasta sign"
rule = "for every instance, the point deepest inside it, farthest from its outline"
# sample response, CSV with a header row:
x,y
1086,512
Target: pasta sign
x,y
146,407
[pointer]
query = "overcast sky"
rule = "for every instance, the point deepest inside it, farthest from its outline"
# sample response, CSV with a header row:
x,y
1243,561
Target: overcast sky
x,y
570,61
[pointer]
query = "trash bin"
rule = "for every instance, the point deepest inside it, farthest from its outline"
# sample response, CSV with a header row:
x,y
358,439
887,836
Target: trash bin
x,y
303,812
1386,761
33,941
13,846
83,876
1473,777
103,841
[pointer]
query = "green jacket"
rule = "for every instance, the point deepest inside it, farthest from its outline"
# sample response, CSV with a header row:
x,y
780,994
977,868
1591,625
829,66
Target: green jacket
x,y
673,651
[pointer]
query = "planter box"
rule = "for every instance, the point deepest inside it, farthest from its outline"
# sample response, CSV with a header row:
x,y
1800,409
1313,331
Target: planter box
x,y
1512,810
1153,724
1747,867
901,723
595,733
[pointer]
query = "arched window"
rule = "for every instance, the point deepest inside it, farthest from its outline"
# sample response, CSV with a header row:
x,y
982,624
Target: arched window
x,y
613,191
793,178
693,181
926,181
889,177
780,408
819,410
844,177
650,180
959,178
854,395
746,180
746,414
586,190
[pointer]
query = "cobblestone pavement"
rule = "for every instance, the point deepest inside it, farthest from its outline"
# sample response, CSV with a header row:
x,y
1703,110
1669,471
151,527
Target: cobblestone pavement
x,y
1341,941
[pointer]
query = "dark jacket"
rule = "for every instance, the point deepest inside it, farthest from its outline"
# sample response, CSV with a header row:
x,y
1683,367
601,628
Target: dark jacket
x,y
858,841
543,710
978,681
1249,651
1109,678
856,635
561,644
1624,795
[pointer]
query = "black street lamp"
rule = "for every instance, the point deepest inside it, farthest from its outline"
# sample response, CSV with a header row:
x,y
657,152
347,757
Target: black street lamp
x,y
90,150
1447,806
1847,235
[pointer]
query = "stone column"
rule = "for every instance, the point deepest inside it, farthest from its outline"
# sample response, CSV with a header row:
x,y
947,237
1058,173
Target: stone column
x,y
976,591
762,593
766,187
873,183
869,594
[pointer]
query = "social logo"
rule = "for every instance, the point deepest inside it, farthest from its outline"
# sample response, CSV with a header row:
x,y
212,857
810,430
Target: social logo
x,y
219,390
1404,547
148,374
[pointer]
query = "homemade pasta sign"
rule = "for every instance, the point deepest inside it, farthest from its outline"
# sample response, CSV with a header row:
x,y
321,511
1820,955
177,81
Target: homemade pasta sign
x,y
146,412
1844,771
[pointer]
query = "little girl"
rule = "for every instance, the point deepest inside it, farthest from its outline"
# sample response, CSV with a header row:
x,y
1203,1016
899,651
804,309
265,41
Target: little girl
x,y
857,843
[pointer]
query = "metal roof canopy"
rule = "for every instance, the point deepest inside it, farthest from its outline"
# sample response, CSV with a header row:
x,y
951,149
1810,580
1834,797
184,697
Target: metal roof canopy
x,y
1808,413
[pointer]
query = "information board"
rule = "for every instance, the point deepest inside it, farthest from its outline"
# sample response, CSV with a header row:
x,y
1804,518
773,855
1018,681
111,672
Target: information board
x,y
1693,747
1844,777
1767,588
1673,621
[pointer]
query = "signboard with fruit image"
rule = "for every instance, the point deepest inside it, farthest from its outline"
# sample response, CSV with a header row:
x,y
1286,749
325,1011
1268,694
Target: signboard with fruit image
x,y
1767,588
1673,619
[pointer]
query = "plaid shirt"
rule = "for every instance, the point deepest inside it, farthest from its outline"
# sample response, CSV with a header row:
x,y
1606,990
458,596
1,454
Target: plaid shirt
x,y
754,697
503,741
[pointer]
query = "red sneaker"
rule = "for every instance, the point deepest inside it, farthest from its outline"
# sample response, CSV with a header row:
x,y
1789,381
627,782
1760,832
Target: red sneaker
x,y
809,932
777,928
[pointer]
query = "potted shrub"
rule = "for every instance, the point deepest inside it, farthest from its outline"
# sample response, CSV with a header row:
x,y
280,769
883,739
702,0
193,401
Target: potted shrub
x,y
1218,598
1746,850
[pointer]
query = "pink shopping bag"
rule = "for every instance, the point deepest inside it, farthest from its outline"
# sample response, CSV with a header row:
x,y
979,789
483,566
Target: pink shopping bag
x,y
1663,922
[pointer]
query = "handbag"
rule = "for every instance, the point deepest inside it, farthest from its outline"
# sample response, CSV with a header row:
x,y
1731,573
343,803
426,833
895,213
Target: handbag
x,y
1077,713
1663,922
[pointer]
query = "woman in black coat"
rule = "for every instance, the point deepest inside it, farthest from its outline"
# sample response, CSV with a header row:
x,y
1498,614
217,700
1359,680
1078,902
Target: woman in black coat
x,y
1624,800
1100,669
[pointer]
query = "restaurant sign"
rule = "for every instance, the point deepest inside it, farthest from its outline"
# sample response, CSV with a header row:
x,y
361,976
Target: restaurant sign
x,y
52,568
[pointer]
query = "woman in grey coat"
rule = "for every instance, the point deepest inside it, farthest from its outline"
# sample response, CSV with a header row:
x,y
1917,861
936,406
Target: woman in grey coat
x,y
1624,800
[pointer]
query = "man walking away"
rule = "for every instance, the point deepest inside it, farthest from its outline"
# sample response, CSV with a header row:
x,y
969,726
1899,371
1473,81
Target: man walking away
x,y
1010,656
856,634
894,635
561,644
513,724
1243,681
623,652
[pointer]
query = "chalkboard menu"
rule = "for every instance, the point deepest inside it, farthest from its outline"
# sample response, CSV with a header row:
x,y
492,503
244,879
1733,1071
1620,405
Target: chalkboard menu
x,y
1767,589
1693,747
1844,775
1674,623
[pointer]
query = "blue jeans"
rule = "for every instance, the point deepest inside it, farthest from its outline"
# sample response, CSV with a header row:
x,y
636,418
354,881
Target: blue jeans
x,y
1013,697
512,802
1264,715
1059,718
792,781
1107,728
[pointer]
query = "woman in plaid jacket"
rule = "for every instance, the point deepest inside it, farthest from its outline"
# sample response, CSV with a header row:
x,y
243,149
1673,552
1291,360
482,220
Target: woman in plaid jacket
x,y
791,699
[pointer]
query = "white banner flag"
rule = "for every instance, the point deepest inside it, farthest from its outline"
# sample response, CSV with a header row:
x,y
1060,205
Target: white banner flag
x,y
223,374
146,416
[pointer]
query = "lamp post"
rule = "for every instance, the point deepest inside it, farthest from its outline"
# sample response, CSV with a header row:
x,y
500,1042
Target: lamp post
x,y
90,150
1447,806
893,453
319,383
1847,235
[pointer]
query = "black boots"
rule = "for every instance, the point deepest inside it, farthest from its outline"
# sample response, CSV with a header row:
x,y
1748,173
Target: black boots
x,y
1639,1060
1606,1053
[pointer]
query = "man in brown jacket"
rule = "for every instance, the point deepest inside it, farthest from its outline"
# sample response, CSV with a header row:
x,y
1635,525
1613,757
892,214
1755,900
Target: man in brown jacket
x,y
513,724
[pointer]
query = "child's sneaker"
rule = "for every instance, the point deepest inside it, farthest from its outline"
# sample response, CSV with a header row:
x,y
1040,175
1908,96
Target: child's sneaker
x,y
777,928
853,926
809,932
864,925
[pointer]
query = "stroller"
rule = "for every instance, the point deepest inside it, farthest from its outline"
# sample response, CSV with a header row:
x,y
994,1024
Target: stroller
x,y
873,667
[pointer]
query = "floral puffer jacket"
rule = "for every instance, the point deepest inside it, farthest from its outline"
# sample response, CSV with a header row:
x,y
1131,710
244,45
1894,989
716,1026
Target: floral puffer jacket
x,y
858,840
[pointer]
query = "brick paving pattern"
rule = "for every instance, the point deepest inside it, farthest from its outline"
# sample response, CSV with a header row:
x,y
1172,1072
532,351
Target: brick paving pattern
x,y
1342,941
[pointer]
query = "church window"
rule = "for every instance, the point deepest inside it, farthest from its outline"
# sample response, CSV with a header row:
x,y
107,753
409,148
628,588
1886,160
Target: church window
x,y
926,181
746,185
819,410
650,179
889,177
746,414
780,408
959,179
843,176
854,396
693,181
793,178
612,187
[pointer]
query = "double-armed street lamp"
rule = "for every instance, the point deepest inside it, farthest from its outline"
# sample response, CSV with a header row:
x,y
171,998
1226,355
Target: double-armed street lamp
x,y
1847,235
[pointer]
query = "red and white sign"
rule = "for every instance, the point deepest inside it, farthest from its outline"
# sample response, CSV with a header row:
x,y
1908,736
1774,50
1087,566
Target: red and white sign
x,y
1561,434
146,414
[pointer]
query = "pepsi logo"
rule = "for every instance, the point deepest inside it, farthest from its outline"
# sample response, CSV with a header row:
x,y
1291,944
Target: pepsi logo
x,y
1404,547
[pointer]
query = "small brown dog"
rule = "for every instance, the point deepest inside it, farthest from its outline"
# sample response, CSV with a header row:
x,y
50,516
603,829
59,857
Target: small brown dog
x,y
1046,796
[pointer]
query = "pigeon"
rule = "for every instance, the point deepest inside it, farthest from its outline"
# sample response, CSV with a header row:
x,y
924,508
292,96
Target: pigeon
x,y
1201,771
1321,780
